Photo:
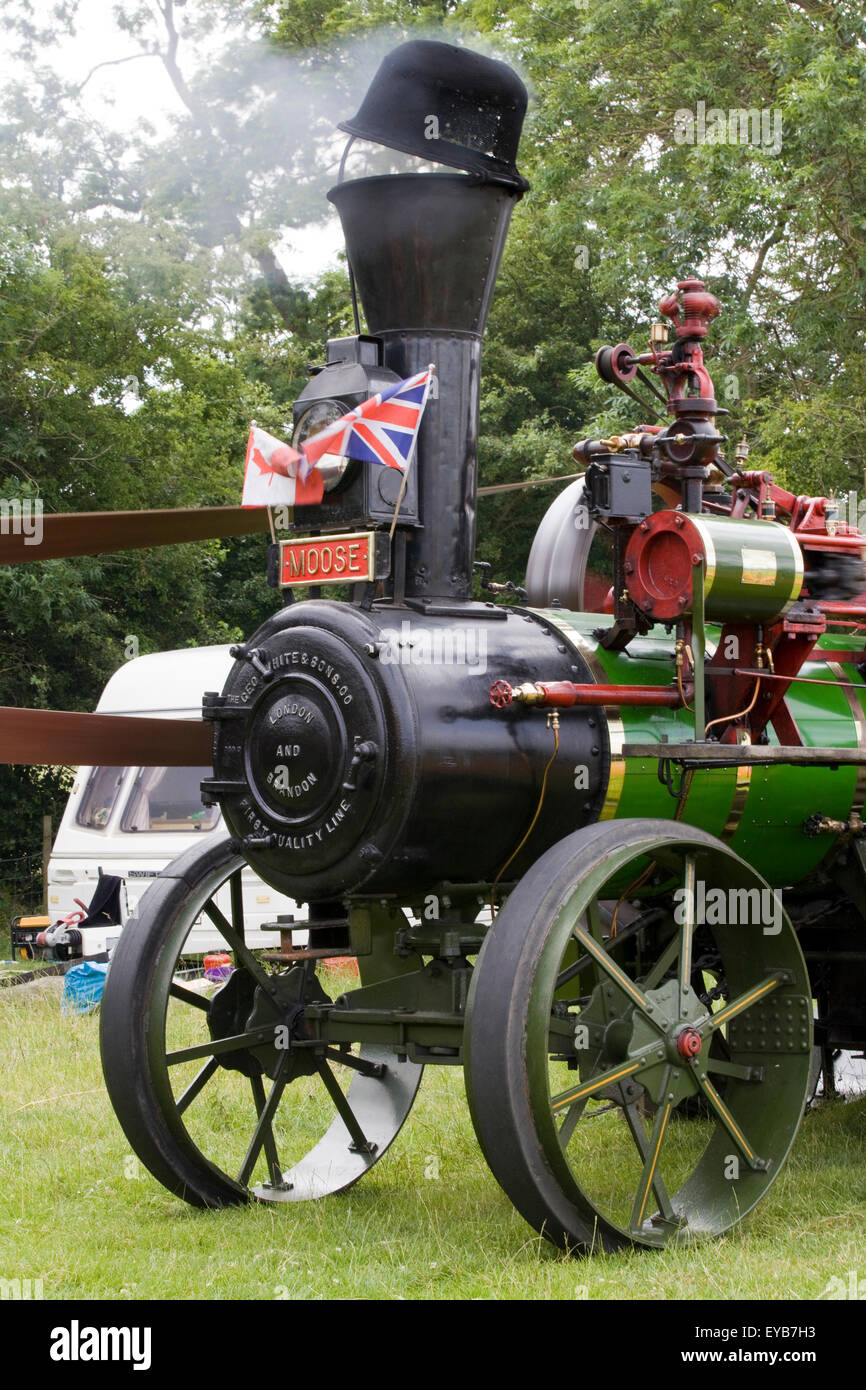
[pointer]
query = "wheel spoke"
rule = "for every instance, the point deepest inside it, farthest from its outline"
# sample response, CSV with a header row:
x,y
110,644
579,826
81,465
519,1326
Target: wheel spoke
x,y
644,1148
196,1085
578,1112
731,1125
612,942
344,1109
745,1001
585,1089
189,996
271,1154
263,1134
648,1176
235,940
345,1059
236,898
612,970
255,1037
662,965
686,934
723,1067
569,1124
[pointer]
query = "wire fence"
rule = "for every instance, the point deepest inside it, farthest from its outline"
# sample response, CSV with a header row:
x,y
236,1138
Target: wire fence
x,y
21,884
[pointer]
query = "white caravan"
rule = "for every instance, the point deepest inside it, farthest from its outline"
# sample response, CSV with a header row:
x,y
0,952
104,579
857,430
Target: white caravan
x,y
133,821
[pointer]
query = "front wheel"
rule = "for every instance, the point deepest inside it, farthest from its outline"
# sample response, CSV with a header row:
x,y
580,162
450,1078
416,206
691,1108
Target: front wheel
x,y
221,1090
639,973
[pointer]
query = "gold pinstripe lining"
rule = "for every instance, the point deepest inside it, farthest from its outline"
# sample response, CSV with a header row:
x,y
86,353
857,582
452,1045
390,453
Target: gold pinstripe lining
x,y
738,802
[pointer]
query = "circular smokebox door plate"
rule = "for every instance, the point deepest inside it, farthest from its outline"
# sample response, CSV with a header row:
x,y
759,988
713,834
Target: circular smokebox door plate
x,y
314,753
296,750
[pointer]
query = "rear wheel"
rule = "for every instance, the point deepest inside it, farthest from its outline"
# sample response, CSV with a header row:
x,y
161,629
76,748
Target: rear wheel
x,y
221,1089
587,1038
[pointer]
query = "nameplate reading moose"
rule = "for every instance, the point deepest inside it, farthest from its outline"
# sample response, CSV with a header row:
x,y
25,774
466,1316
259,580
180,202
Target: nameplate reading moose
x,y
345,559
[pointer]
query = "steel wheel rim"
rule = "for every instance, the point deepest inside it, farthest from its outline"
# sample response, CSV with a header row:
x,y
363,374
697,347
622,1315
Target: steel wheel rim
x,y
516,1056
707,1202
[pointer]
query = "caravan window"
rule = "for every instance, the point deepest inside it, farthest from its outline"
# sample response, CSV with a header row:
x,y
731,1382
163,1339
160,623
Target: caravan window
x,y
168,798
100,796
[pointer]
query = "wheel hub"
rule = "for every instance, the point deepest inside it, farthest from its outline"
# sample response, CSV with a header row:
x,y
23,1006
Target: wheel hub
x,y
241,1005
688,1042
667,1041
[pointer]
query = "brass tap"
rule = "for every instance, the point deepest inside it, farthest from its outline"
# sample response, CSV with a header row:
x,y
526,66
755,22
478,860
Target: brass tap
x,y
528,694
618,442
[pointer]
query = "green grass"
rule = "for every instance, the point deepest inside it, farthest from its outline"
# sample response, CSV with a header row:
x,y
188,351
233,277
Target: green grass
x,y
429,1221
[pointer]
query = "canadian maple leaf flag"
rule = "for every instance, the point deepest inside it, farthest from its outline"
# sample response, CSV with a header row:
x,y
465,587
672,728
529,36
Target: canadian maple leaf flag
x,y
272,475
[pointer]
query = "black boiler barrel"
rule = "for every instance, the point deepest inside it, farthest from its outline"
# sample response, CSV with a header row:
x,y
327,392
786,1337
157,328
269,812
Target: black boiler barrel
x,y
359,751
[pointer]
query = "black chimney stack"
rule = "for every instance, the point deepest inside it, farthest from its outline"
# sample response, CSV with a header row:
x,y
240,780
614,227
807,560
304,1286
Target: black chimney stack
x,y
424,250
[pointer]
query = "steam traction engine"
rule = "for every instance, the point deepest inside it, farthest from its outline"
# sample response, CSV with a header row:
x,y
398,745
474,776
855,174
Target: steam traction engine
x,y
571,850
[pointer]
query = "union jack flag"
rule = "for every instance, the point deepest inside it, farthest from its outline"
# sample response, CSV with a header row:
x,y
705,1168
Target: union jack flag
x,y
383,429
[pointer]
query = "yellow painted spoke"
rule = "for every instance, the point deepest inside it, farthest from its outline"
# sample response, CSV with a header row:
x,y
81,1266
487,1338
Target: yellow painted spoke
x,y
611,969
687,932
731,1125
597,1083
612,943
644,1148
648,1176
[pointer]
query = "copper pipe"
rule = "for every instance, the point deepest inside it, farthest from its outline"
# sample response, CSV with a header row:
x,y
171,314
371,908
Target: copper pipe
x,y
727,718
564,694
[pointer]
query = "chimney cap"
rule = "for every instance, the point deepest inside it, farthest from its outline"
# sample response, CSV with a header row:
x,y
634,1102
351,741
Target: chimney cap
x,y
448,105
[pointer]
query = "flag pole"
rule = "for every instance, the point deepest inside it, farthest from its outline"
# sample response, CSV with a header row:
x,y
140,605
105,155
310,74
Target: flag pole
x,y
402,493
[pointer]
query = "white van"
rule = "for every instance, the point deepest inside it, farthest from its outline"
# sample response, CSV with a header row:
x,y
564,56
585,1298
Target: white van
x,y
133,821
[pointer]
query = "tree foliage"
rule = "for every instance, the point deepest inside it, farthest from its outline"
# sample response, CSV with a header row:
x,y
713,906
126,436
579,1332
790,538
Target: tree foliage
x,y
621,206
135,348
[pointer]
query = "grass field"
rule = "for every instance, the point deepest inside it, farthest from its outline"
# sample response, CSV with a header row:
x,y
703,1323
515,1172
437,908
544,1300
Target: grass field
x,y
429,1221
